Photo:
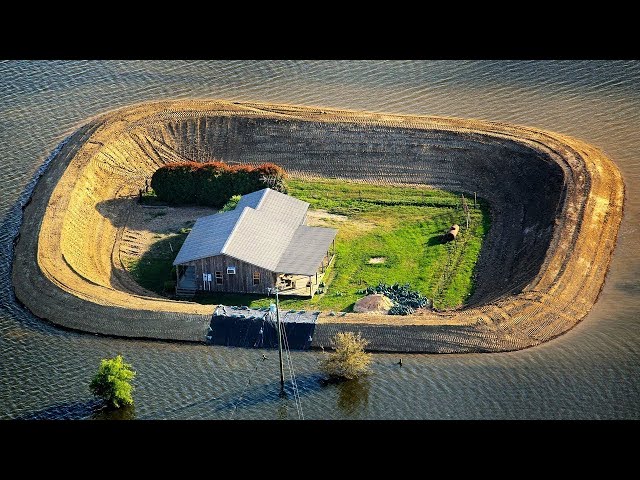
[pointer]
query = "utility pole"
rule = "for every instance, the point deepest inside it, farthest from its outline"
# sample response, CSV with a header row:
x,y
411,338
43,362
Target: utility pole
x,y
276,307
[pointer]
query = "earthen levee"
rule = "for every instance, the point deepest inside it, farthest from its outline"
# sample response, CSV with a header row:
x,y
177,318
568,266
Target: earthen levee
x,y
556,205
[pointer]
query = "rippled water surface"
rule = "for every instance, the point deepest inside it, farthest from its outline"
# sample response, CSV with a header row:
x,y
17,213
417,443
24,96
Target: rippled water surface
x,y
591,372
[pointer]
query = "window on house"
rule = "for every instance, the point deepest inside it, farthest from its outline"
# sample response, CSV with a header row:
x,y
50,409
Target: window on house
x,y
231,270
218,278
256,278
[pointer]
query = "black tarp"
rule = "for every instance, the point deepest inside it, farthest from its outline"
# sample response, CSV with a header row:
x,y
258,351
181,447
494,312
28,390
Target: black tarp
x,y
258,332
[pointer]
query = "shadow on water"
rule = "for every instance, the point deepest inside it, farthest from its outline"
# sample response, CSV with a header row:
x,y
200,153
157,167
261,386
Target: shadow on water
x,y
353,395
254,395
124,413
270,392
632,287
87,410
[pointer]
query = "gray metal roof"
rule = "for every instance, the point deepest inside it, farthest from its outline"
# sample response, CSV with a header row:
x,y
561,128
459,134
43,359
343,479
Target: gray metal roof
x,y
208,236
263,230
251,199
306,250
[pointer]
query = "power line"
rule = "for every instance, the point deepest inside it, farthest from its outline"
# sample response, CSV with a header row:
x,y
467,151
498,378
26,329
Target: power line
x,y
296,392
294,383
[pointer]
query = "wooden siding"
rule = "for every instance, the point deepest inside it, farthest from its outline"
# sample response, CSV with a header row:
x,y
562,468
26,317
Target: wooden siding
x,y
241,282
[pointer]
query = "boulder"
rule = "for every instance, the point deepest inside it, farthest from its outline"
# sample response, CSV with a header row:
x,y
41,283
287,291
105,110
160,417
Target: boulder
x,y
376,302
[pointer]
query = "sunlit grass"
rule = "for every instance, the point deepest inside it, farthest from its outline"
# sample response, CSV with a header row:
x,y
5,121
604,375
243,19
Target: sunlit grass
x,y
403,224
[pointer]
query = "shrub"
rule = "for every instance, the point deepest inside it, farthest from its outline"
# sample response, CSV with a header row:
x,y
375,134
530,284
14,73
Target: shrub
x,y
348,360
398,309
112,383
231,204
213,183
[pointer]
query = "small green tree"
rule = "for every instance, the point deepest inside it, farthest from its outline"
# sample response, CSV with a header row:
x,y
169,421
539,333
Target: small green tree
x,y
231,203
112,383
348,360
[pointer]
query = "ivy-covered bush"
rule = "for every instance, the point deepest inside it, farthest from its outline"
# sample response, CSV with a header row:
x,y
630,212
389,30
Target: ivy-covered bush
x,y
213,183
405,300
398,309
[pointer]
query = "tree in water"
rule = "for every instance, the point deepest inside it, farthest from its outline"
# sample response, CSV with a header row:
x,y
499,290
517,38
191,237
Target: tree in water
x,y
112,383
348,360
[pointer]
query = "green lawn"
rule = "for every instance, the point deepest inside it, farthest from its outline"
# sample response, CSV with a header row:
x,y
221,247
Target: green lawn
x,y
153,268
402,224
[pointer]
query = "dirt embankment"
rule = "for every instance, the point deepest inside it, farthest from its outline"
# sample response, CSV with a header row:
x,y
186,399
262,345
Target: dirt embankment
x,y
556,207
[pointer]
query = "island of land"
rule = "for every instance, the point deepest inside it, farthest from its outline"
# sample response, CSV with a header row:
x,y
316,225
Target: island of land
x,y
555,206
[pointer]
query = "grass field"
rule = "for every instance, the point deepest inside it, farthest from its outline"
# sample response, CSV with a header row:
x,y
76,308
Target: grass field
x,y
401,227
153,268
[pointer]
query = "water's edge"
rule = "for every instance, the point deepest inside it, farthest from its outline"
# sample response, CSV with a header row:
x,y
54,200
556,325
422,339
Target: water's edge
x,y
12,224
505,322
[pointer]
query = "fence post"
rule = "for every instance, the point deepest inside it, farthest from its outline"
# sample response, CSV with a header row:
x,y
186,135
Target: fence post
x,y
466,210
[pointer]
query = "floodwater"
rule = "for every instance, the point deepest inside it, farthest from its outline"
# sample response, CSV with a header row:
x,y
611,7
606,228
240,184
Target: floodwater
x,y
591,372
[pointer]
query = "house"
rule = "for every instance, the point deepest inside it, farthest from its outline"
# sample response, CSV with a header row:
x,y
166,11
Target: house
x,y
264,242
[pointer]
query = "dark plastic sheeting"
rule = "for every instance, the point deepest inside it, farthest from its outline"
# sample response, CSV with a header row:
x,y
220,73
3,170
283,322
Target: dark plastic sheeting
x,y
258,332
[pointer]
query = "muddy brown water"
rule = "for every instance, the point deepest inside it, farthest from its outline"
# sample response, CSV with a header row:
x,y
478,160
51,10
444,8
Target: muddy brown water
x,y
590,372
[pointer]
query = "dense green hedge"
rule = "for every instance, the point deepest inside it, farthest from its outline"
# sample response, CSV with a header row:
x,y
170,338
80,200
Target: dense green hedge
x,y
213,183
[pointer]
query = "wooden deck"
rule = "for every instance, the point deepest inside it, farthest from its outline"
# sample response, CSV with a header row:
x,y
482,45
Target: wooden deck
x,y
304,285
